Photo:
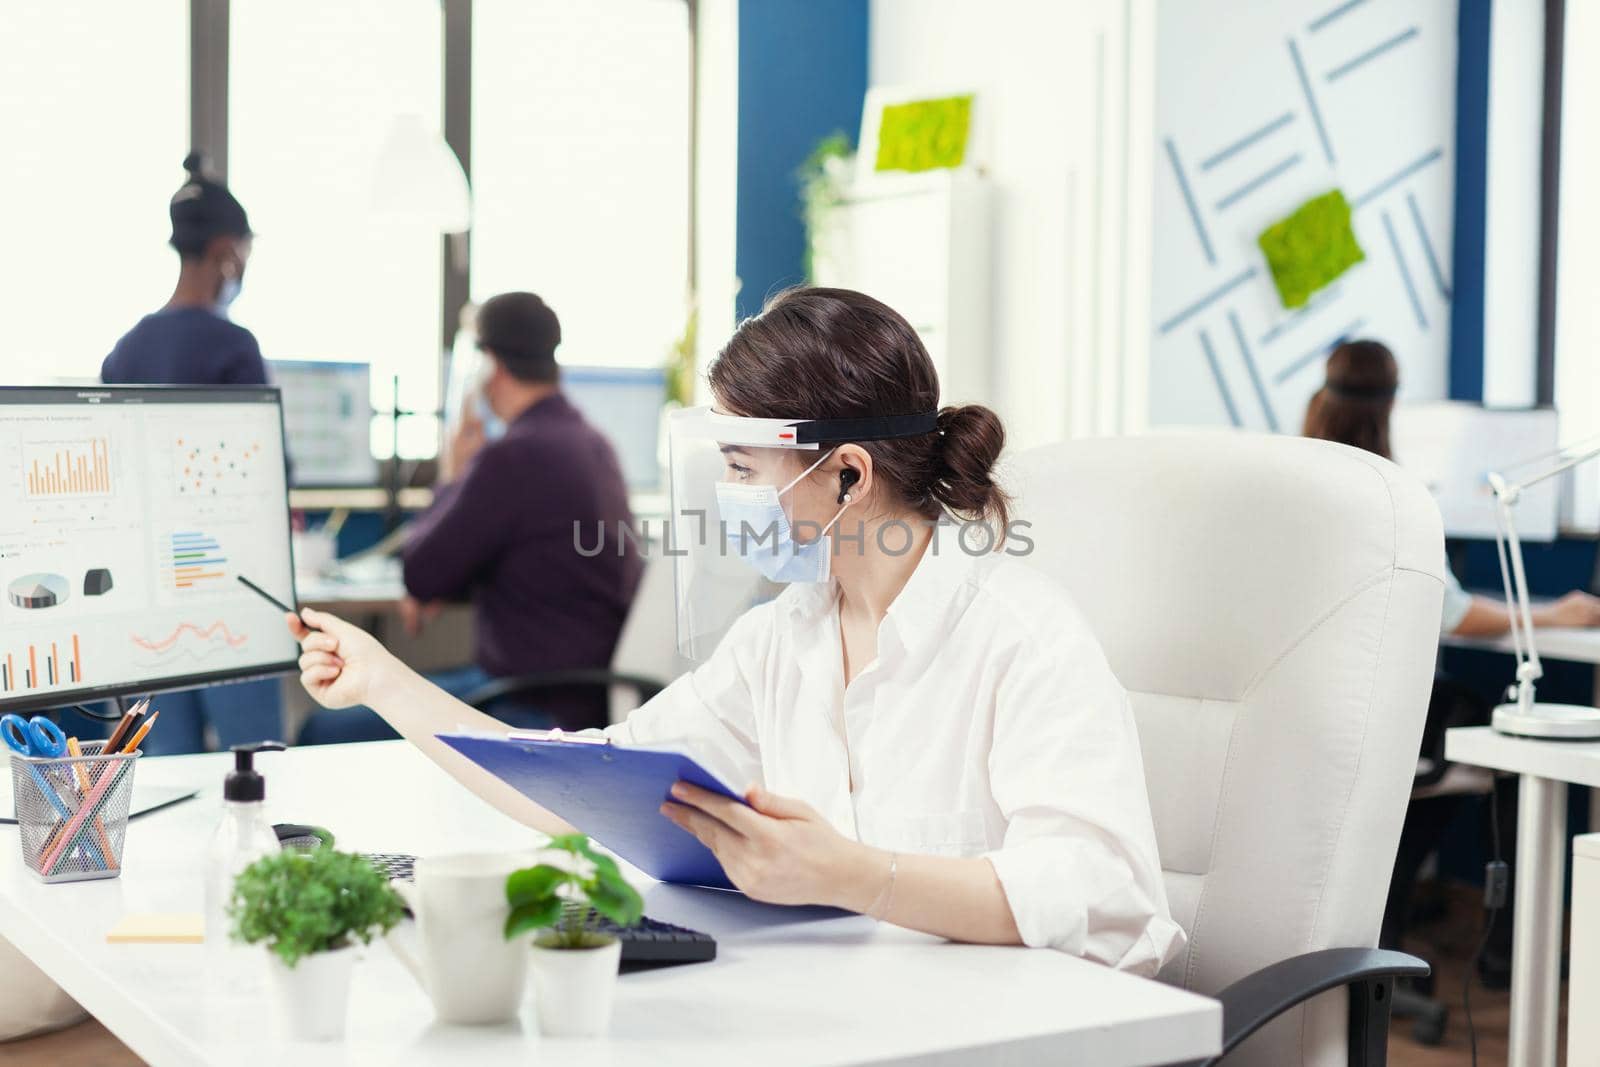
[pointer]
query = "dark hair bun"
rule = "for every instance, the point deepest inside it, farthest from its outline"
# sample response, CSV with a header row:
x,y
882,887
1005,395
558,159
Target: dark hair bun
x,y
973,439
195,164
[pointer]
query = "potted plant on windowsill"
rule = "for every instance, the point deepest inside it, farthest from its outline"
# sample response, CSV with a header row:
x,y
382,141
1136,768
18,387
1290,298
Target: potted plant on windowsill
x,y
312,910
574,964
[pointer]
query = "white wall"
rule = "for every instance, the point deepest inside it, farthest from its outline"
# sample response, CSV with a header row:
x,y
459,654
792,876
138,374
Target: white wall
x,y
1578,275
1068,342
716,282
1511,217
1228,78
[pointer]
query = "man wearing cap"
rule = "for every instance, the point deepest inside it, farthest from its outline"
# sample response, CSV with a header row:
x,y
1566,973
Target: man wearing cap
x,y
190,341
501,532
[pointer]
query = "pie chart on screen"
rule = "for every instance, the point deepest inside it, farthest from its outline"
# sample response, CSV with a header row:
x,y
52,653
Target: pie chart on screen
x,y
37,591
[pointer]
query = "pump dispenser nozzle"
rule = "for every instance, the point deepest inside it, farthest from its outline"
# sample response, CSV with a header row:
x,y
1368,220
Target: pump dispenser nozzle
x,y
244,784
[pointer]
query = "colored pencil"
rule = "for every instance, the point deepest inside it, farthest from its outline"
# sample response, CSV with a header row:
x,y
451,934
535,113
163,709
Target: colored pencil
x,y
84,787
125,724
133,745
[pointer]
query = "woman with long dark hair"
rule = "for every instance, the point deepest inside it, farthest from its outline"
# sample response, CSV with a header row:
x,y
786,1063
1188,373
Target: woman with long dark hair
x,y
1353,408
928,731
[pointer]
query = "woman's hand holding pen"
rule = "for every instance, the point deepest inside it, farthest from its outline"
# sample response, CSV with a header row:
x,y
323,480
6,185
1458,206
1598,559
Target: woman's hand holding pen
x,y
780,850
340,665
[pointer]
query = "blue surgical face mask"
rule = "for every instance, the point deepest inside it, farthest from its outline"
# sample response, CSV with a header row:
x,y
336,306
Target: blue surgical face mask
x,y
494,427
756,529
227,293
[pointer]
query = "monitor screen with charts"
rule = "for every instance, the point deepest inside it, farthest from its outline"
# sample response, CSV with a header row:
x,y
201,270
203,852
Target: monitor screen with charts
x,y
1452,446
327,418
126,515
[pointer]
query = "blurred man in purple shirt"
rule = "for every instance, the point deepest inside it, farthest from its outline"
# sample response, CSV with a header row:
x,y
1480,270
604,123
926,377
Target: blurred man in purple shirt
x,y
500,532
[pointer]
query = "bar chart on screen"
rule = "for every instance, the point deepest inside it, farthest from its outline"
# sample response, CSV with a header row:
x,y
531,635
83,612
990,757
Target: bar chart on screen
x,y
193,560
41,664
67,468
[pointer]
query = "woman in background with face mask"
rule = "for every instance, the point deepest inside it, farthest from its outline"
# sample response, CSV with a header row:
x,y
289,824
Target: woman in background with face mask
x,y
190,341
926,730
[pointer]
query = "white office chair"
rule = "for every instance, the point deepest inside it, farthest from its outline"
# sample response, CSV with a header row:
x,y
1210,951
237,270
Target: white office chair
x,y
30,1003
648,644
1272,604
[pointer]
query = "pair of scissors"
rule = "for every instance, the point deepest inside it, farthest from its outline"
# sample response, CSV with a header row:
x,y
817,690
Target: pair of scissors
x,y
37,737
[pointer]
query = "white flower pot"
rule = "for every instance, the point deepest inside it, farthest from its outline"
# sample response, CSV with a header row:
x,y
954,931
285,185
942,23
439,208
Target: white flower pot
x,y
312,998
574,988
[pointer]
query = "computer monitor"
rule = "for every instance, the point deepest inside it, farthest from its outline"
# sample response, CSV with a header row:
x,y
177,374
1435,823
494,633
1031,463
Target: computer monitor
x,y
327,415
1452,446
126,514
624,403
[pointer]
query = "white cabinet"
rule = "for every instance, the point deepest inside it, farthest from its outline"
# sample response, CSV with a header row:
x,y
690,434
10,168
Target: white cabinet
x,y
1583,990
920,243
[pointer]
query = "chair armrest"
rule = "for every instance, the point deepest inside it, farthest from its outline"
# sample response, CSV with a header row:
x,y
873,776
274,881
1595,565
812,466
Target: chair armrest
x,y
1257,999
597,677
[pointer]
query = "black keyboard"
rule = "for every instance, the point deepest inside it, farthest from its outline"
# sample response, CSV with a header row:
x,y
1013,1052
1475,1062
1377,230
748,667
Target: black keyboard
x,y
651,943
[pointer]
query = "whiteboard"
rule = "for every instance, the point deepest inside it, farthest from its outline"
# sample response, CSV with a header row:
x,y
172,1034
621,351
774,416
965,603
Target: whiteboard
x,y
1261,105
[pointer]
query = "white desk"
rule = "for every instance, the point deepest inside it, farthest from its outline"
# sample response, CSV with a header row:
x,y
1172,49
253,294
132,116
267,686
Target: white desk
x,y
1577,645
788,987
375,586
1573,645
1545,769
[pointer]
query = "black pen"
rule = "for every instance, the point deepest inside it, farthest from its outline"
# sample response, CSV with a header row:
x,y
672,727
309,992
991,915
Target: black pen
x,y
274,601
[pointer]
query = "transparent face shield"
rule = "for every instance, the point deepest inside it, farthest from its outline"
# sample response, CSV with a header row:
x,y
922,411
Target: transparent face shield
x,y
735,537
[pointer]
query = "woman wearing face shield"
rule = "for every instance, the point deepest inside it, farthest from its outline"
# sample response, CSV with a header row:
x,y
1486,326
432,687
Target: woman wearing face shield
x,y
928,731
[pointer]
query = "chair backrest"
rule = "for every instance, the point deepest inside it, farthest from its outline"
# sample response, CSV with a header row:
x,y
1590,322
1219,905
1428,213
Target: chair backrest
x,y
648,643
1272,605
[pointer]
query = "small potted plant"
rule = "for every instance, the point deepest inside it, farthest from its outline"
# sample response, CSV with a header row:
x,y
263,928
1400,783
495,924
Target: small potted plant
x,y
574,964
312,909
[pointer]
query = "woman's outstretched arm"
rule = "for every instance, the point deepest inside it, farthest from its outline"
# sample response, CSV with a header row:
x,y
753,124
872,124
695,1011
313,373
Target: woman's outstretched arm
x,y
342,665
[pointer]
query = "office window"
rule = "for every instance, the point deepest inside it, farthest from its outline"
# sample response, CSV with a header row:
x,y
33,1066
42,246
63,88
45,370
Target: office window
x,y
580,168
94,105
314,90
1578,264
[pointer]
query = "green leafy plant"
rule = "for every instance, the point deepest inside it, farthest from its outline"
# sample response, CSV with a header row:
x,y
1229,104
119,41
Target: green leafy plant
x,y
822,179
558,899
1311,247
301,903
680,362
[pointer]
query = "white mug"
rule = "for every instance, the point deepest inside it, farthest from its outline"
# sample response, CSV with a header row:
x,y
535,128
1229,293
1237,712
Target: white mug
x,y
456,947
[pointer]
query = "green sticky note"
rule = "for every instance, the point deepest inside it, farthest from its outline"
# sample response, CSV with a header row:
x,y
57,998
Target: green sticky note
x,y
1310,248
924,134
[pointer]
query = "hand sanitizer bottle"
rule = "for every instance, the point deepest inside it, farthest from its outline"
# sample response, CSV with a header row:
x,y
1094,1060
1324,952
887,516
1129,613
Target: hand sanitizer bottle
x,y
243,836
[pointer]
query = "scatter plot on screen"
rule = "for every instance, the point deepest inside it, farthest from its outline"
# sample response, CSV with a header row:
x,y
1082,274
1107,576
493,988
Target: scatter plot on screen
x,y
216,464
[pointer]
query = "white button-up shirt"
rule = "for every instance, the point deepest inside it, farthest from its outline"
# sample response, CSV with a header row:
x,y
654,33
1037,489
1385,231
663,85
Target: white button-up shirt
x,y
989,725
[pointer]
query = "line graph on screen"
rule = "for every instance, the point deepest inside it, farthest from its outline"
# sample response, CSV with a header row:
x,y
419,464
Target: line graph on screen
x,y
188,640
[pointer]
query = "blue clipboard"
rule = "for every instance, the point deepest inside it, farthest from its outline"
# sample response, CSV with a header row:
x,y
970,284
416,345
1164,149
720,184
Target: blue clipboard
x,y
612,793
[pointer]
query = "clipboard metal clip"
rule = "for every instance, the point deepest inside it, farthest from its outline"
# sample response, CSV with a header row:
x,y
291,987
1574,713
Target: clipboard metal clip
x,y
556,734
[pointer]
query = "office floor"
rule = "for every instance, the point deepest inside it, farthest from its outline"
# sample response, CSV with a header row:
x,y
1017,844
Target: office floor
x,y
86,1045
1446,941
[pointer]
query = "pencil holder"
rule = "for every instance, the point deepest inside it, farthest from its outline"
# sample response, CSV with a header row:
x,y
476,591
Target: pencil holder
x,y
73,812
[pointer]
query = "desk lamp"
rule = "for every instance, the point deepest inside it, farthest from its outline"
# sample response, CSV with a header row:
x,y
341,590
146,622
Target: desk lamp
x,y
1521,714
